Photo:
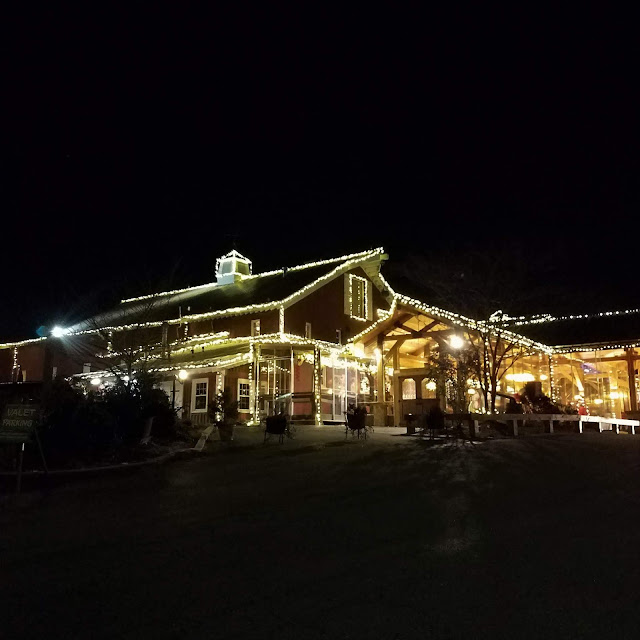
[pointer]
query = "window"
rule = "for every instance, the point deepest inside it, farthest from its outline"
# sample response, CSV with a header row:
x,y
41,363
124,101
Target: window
x,y
244,403
339,336
255,327
307,330
409,389
358,300
200,396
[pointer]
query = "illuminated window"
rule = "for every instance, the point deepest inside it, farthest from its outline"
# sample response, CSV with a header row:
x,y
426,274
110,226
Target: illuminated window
x,y
358,297
255,327
409,389
200,396
243,395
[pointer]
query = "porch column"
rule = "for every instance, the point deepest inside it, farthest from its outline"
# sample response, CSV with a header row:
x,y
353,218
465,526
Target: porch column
x,y
317,400
552,391
380,407
633,396
380,372
254,389
397,390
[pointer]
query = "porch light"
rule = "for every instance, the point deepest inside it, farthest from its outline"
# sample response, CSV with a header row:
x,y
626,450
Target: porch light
x,y
543,376
58,332
182,375
456,342
96,382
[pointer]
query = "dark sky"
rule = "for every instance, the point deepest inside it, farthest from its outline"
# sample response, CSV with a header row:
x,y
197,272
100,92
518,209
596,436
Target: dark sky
x,y
138,146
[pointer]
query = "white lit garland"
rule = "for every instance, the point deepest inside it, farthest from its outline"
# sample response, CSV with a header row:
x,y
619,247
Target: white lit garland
x,y
316,384
308,265
365,300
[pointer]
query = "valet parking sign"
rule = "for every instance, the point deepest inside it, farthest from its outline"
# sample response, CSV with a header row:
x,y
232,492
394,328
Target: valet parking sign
x,y
19,422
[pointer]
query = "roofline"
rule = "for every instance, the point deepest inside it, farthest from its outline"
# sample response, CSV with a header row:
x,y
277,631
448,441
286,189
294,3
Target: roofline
x,y
595,346
307,265
454,318
346,262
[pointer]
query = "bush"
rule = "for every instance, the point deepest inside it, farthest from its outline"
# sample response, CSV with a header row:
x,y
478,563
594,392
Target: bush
x,y
223,410
78,420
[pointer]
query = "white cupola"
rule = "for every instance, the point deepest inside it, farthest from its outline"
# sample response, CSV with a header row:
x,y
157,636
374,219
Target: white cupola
x,y
232,267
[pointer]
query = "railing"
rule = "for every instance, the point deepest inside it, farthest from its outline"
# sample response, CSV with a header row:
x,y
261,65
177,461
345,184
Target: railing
x,y
548,419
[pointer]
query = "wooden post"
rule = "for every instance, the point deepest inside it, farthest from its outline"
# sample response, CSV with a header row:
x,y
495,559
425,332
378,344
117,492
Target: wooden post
x,y
20,460
633,396
397,390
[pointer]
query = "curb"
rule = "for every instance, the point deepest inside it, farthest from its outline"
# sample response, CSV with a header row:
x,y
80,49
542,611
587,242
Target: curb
x,y
111,467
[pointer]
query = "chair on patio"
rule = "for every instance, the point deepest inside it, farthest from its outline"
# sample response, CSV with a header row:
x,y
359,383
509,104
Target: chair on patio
x,y
276,425
356,421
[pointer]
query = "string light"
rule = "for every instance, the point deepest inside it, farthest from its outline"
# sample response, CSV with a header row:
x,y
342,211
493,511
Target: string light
x,y
365,300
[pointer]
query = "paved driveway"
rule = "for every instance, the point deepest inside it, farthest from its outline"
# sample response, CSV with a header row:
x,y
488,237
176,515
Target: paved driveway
x,y
323,537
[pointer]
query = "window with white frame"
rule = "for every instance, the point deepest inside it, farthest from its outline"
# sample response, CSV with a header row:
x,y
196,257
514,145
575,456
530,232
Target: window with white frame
x,y
244,403
255,327
358,302
200,395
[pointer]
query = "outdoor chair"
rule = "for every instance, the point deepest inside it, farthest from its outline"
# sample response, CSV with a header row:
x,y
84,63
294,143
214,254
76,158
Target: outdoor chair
x,y
276,425
356,422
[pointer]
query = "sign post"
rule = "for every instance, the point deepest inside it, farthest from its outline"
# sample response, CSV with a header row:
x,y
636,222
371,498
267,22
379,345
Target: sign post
x,y
18,425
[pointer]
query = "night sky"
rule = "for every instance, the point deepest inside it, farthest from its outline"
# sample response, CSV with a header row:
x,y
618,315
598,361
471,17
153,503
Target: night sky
x,y
138,146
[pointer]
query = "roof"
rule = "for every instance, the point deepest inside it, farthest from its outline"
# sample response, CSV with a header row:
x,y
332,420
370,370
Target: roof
x,y
242,296
606,328
603,328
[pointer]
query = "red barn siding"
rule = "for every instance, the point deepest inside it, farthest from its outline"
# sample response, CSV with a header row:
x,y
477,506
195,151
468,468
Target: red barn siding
x,y
324,309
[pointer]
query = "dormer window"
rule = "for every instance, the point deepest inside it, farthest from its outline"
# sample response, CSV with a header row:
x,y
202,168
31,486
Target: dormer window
x,y
358,297
232,267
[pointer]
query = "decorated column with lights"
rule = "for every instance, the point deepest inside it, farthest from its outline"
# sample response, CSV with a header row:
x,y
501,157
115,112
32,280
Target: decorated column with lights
x,y
317,404
255,386
552,381
252,394
631,371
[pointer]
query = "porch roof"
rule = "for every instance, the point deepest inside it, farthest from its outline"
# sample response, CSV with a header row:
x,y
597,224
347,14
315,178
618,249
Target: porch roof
x,y
608,328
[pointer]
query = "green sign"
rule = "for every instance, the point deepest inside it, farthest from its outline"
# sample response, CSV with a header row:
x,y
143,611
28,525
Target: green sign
x,y
18,422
